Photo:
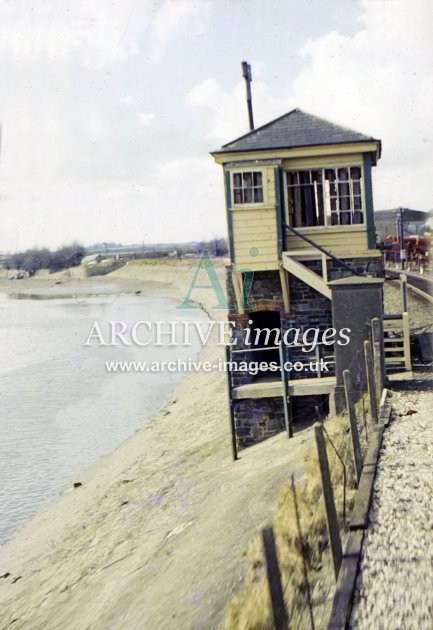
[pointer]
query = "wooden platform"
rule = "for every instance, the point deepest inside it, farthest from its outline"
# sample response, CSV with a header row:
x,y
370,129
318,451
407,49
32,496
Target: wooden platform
x,y
273,389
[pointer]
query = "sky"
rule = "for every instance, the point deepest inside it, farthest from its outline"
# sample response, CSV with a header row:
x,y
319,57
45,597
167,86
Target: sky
x,y
109,109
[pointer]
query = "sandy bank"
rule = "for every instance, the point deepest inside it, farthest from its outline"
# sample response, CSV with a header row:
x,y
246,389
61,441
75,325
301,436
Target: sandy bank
x,y
154,537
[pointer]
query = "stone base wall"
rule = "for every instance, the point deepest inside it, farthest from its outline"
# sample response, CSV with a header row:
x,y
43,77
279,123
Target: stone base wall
x,y
260,418
257,419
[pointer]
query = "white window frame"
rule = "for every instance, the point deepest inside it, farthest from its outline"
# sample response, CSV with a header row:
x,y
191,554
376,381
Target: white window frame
x,y
327,197
249,204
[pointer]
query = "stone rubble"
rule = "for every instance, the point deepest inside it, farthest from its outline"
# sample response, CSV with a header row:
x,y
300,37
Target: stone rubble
x,y
395,584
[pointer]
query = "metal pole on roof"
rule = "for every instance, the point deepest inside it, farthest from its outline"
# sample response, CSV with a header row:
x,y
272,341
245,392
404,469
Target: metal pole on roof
x,y
246,73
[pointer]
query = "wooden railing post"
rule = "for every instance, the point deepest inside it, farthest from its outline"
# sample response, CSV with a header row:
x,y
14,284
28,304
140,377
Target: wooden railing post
x,y
285,388
350,402
328,495
371,384
403,292
406,342
231,407
379,353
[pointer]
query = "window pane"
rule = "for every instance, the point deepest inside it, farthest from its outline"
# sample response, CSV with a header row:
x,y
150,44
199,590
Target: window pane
x,y
320,210
237,180
248,179
344,218
357,203
343,174
355,172
257,179
237,196
344,203
356,188
258,195
358,217
248,195
334,218
343,189
305,177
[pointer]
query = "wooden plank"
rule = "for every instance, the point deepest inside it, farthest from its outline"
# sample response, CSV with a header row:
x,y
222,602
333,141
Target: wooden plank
x,y
265,248
237,285
273,389
345,589
306,275
317,151
248,233
352,159
369,365
251,214
406,338
285,289
278,606
350,402
262,265
328,496
364,495
257,264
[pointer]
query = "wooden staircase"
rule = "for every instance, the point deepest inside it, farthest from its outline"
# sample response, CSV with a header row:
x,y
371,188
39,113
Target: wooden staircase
x,y
291,263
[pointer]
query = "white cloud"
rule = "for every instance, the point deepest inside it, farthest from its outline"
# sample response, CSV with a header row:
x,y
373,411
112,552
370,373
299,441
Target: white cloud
x,y
91,130
100,31
180,200
378,81
227,110
145,119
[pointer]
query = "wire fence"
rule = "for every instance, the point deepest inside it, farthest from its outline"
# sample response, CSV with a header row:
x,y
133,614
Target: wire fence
x,y
297,588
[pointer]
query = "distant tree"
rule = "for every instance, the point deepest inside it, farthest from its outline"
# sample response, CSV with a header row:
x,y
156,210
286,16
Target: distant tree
x,y
16,261
36,259
67,256
217,246
41,258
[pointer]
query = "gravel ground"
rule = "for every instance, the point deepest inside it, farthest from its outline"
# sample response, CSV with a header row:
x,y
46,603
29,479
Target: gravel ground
x,y
420,310
395,584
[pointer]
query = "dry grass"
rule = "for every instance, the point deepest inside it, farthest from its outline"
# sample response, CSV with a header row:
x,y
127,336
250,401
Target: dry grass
x,y
299,549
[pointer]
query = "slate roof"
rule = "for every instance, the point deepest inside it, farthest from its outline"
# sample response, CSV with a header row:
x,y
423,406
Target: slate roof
x,y
294,129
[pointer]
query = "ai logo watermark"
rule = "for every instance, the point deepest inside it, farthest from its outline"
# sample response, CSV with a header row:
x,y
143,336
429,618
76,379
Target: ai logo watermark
x,y
205,264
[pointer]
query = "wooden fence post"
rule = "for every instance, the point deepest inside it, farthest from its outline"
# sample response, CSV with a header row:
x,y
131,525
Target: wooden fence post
x,y
278,606
377,335
371,385
350,402
406,342
328,495
377,370
403,292
303,552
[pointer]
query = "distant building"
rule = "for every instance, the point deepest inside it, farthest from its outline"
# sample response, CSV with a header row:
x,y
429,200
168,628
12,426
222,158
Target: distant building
x,y
414,222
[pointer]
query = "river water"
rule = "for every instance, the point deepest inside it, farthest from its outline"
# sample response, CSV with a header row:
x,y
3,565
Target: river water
x,y
60,410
